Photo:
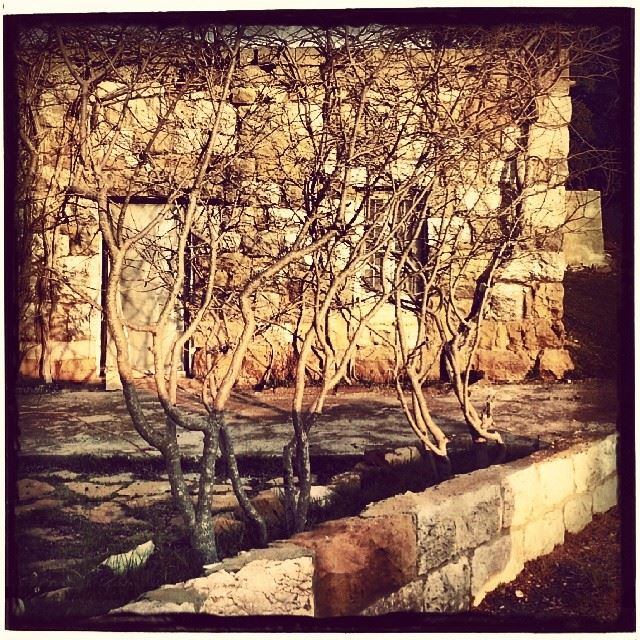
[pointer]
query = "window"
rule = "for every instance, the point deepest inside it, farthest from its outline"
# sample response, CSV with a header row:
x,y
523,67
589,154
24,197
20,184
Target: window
x,y
373,273
376,269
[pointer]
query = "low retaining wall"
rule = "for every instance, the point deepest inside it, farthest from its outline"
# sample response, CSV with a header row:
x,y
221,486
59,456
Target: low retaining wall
x,y
439,550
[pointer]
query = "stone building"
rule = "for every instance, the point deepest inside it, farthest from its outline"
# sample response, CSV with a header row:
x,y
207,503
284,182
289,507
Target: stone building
x,y
523,334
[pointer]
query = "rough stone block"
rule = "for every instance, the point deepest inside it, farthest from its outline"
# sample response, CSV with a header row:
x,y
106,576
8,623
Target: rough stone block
x,y
273,581
454,516
577,513
556,480
409,598
359,560
521,494
548,142
605,496
496,562
507,301
28,489
448,589
608,455
542,266
504,365
594,463
543,534
554,110
554,364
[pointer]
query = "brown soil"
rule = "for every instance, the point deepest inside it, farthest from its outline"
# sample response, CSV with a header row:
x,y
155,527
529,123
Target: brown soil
x,y
580,579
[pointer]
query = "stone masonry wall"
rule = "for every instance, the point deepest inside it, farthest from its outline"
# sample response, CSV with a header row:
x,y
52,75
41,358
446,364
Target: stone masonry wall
x,y
440,550
523,333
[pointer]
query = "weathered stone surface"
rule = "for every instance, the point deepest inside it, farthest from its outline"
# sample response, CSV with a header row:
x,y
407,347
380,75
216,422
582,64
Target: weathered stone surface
x,y
554,364
28,489
594,463
119,478
521,493
503,366
358,560
144,488
607,454
543,266
63,474
543,534
556,480
92,489
409,598
605,496
577,513
38,505
274,581
496,562
455,516
548,300
507,301
154,607
448,589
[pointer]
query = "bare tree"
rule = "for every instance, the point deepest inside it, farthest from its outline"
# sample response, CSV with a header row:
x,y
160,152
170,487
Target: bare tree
x,y
377,169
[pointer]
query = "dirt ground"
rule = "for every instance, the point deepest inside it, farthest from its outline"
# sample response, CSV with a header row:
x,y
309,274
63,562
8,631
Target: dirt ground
x,y
579,581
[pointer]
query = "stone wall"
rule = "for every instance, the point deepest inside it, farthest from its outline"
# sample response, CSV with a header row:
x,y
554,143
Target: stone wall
x,y
440,550
264,148
583,242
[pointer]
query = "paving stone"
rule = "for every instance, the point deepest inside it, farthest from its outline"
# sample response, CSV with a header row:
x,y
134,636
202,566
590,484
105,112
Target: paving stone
x,y
145,488
28,489
144,502
92,489
63,474
38,505
52,535
119,478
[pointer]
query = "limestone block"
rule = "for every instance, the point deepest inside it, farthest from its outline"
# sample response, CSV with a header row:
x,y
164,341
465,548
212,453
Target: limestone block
x,y
548,141
155,607
144,116
543,534
436,542
554,110
556,480
554,364
522,492
577,512
496,562
507,301
588,468
503,366
544,208
605,495
28,489
455,516
409,598
448,589
548,300
78,370
261,587
76,350
359,560
607,454
243,95
543,266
